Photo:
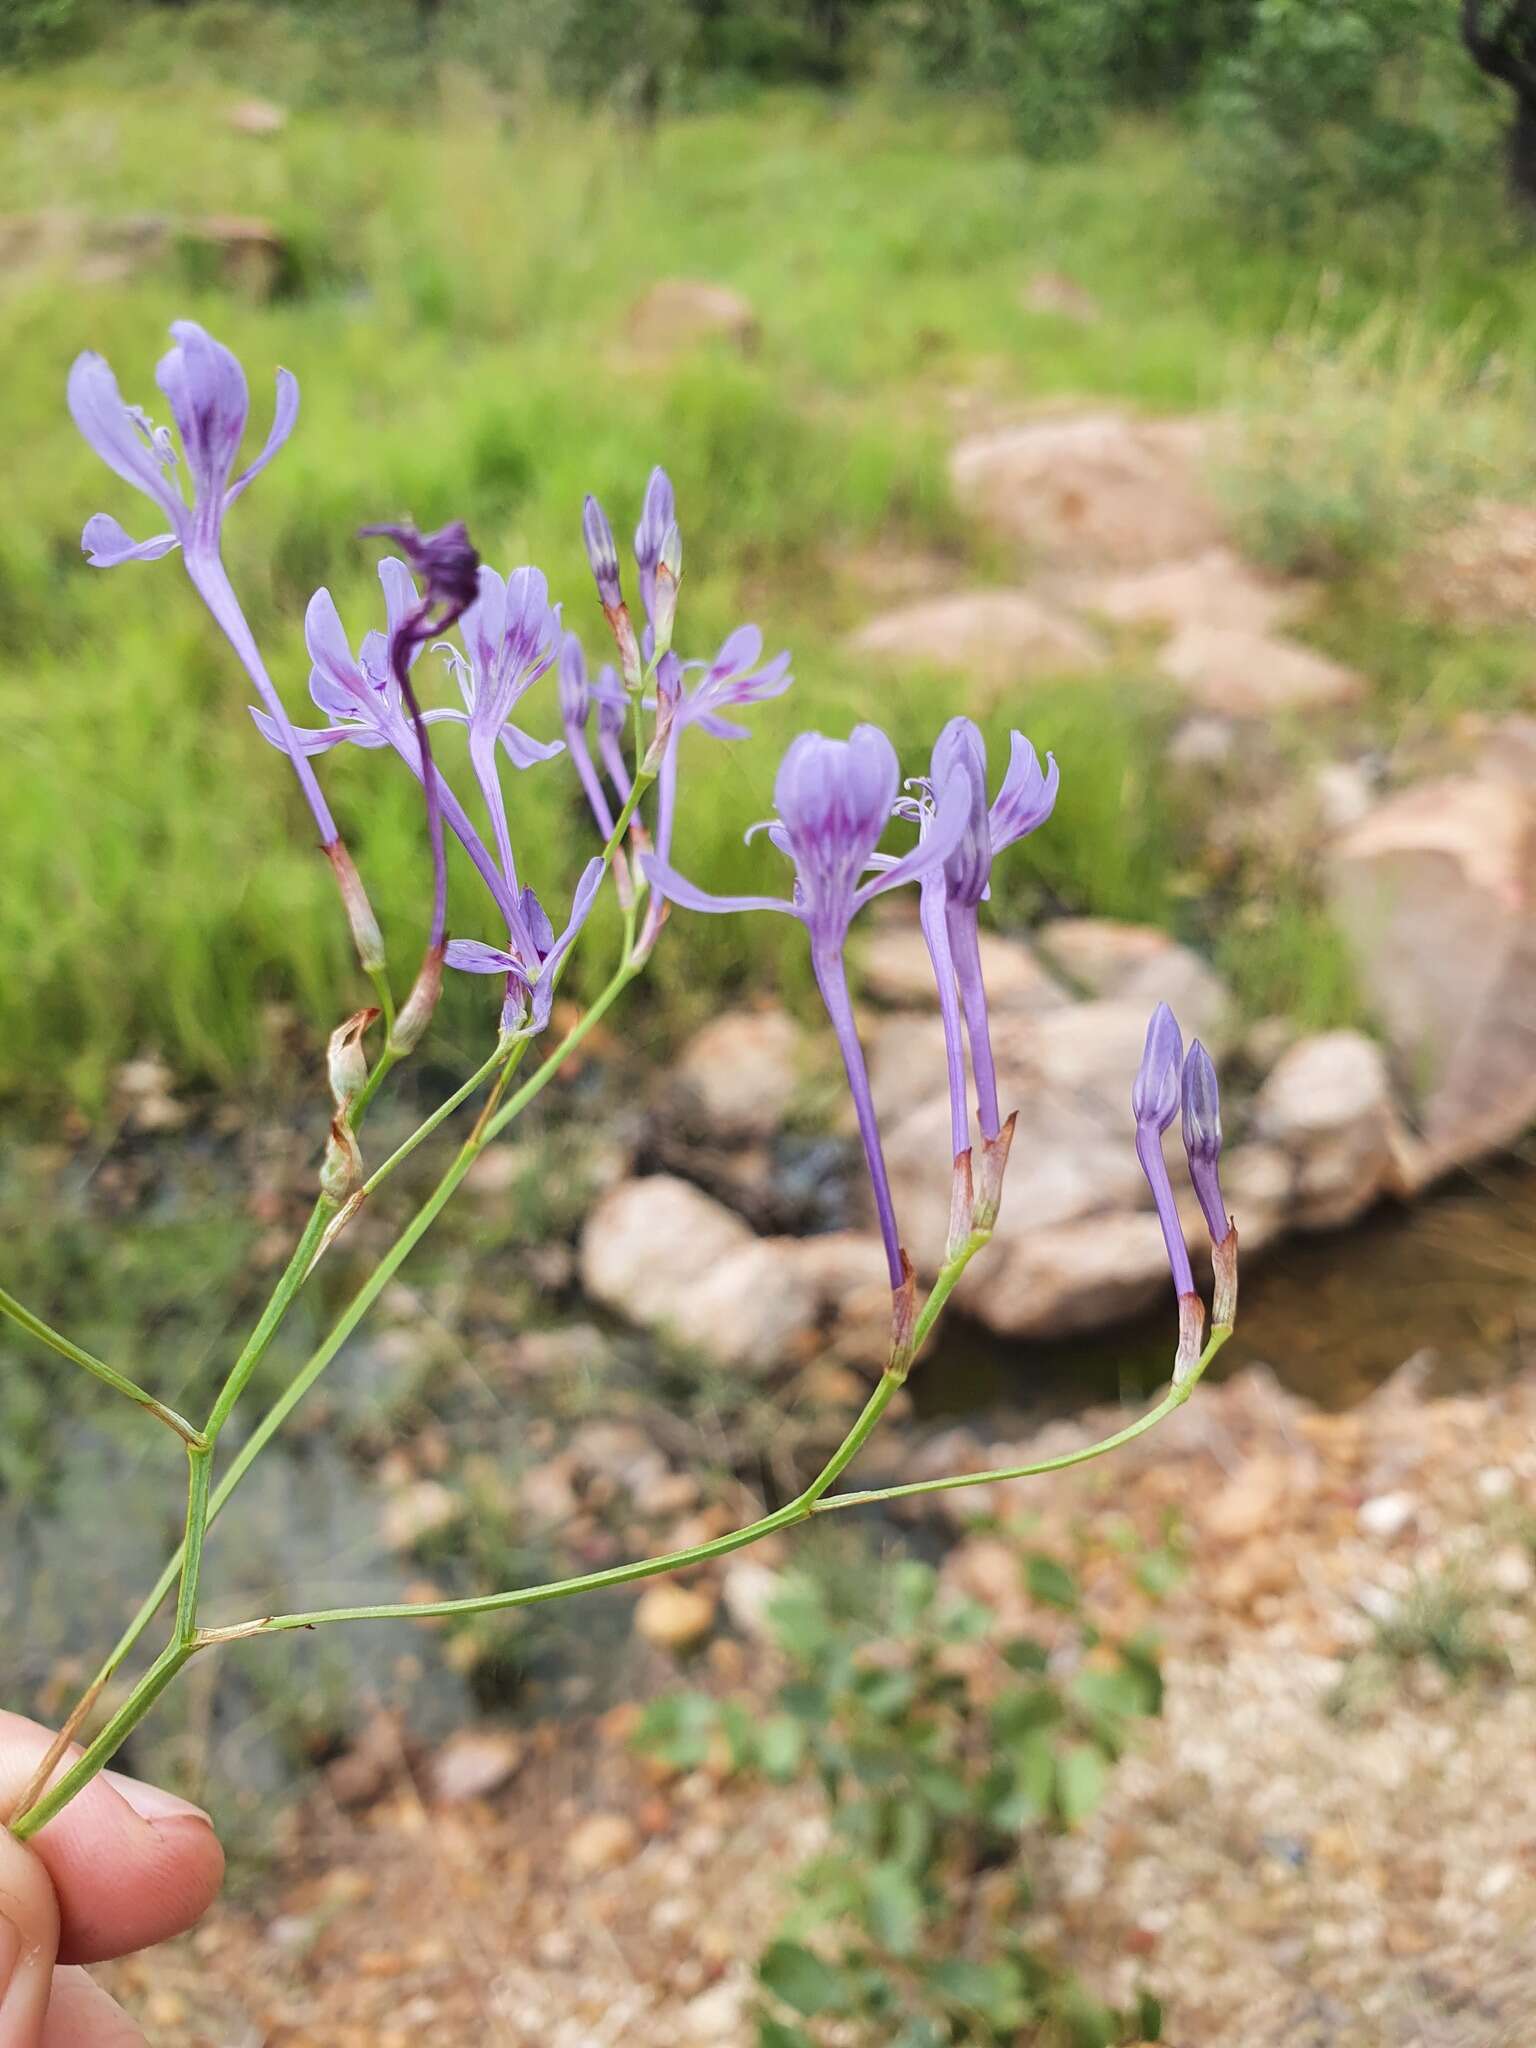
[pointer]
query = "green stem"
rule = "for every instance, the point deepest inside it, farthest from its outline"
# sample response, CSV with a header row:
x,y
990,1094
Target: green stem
x,y
200,1469
292,1280
108,1742
98,1368
439,1116
1174,1398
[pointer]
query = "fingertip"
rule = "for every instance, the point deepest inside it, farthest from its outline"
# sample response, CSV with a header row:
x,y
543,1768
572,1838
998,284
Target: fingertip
x,y
81,2015
29,1937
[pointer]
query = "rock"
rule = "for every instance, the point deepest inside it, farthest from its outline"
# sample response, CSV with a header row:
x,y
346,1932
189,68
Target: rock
x,y
1095,490
419,1510
1435,892
1217,588
994,639
473,1763
1344,795
894,968
1257,1181
675,1618
249,255
601,1842
845,1272
1236,673
1386,1515
679,312
1059,297
258,117
144,1087
1483,573
648,1241
1069,1277
742,1070
1135,963
749,1590
1328,1103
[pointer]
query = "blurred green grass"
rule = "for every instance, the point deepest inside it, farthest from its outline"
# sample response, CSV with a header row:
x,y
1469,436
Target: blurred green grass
x,y
455,308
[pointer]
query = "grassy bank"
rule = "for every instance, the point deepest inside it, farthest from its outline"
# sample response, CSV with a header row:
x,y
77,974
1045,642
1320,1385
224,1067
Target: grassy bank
x,y
455,306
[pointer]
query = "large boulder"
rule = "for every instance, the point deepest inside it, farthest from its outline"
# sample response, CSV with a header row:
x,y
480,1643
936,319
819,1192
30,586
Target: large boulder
x,y
662,1253
741,1071
1234,672
1138,964
993,639
894,968
1100,490
1436,893
1328,1104
1216,588
679,312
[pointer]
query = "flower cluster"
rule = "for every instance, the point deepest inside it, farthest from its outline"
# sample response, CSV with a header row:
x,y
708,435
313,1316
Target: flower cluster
x,y
835,799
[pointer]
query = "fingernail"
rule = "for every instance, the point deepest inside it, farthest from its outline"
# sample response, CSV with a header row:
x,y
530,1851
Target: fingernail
x,y
152,1802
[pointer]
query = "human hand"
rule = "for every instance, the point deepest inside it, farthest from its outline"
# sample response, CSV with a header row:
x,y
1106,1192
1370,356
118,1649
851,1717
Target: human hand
x,y
123,1866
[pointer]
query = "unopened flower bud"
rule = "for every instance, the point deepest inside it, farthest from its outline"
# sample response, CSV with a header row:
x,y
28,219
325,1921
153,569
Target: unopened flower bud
x,y
657,514
1202,1137
602,553
346,1062
341,1171
366,936
416,1012
669,571
1155,1091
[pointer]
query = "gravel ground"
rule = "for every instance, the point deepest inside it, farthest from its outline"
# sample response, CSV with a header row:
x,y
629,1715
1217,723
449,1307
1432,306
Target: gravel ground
x,y
1328,1841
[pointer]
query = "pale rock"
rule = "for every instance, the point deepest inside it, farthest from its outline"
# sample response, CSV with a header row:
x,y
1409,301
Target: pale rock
x,y
1059,297
1235,673
1483,572
1091,490
473,1763
749,1590
1328,1103
652,1247
601,1842
894,968
1216,588
1267,1039
258,117
1069,1277
678,312
1199,745
751,1309
1386,1515
1343,793
1436,894
1257,1181
994,639
422,1509
742,1070
1132,963
674,1618
850,1285
715,2016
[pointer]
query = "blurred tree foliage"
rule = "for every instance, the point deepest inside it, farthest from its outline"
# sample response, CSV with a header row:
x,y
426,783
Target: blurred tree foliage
x,y
1300,105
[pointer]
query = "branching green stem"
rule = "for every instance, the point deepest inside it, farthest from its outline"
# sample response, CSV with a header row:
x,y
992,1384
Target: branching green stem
x,y
98,1368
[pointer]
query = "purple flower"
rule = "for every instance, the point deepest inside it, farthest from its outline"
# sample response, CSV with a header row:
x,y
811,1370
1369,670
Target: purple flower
x,y
834,801
1155,1096
530,963
361,695
575,712
206,391
512,633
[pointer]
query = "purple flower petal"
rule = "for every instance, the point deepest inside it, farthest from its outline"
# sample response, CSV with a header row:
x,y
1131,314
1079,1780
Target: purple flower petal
x,y
524,751
107,544
313,739
678,889
1026,798
581,904
209,400
97,408
329,650
469,956
284,416
1155,1091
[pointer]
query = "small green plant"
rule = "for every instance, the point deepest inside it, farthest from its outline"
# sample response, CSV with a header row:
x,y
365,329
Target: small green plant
x,y
1349,452
1435,1628
943,1745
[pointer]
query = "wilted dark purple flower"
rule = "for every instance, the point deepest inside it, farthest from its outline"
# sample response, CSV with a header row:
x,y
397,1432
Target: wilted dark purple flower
x,y
834,801
530,961
448,565
209,399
